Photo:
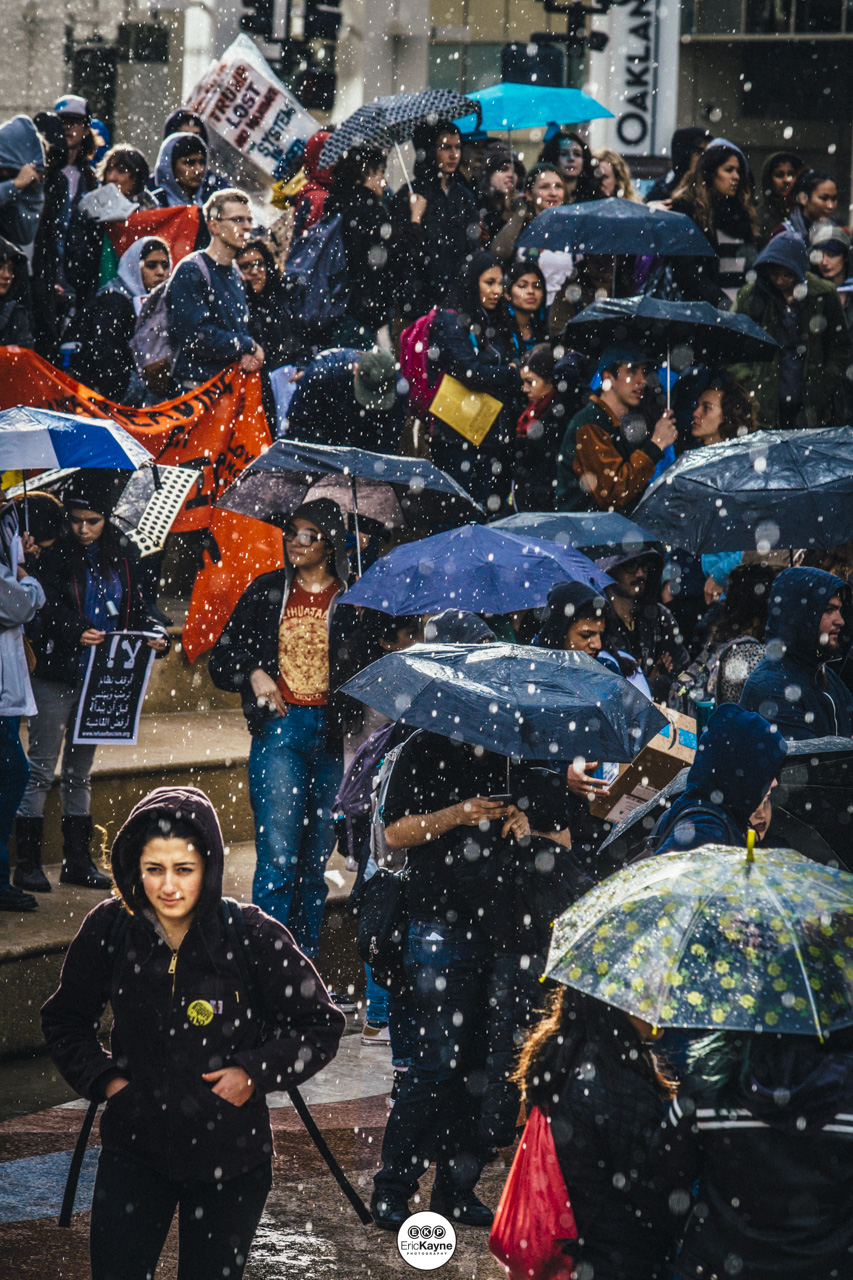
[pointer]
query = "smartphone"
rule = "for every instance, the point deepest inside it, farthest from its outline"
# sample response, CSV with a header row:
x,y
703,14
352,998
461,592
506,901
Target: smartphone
x,y
503,799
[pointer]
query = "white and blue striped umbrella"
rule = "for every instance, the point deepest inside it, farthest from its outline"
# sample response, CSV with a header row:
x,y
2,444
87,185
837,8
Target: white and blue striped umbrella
x,y
394,118
32,438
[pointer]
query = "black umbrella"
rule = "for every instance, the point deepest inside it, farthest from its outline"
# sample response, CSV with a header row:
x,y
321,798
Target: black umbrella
x,y
388,121
811,806
710,336
616,226
773,489
599,532
397,492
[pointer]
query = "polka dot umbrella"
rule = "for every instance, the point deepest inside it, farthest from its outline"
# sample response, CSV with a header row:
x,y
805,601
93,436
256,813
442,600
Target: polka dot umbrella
x,y
716,938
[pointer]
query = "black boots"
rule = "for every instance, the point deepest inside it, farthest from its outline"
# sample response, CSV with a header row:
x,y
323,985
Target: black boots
x,y
28,873
77,865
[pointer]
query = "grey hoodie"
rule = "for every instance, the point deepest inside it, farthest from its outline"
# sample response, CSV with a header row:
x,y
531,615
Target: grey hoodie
x,y
20,210
167,192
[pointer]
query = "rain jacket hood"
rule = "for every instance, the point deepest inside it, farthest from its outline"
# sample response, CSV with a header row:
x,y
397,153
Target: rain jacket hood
x,y
193,806
770,164
19,143
785,250
311,159
565,602
793,1080
164,174
327,516
798,600
129,278
738,757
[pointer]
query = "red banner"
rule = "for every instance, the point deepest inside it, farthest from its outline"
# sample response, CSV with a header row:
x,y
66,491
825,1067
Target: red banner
x,y
178,227
219,428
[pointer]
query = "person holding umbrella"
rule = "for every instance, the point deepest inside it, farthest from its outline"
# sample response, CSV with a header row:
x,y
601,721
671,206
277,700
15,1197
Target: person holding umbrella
x,y
607,457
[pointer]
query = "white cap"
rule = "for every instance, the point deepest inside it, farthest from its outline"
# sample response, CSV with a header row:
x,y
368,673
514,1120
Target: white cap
x,y
72,105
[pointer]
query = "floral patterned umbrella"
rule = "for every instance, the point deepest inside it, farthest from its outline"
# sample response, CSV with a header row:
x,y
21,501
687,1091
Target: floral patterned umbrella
x,y
718,938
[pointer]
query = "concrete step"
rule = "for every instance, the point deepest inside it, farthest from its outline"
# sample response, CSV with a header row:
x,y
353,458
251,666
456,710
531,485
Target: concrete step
x,y
33,946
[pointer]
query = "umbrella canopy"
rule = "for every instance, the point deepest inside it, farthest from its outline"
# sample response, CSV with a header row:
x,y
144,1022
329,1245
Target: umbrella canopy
x,y
711,337
529,106
716,938
535,704
42,438
601,532
394,118
398,492
615,226
477,567
771,489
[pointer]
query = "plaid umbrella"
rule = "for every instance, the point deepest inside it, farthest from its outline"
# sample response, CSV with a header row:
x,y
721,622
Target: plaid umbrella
x,y
393,119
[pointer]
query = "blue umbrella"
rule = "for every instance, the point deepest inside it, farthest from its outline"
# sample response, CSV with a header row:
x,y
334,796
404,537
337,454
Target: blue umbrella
x,y
615,226
588,530
534,704
31,438
478,567
715,337
529,106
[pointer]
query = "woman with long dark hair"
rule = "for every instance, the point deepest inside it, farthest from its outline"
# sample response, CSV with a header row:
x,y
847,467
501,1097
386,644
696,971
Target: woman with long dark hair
x,y
266,294
526,290
471,341
574,159
776,198
814,196
591,1069
498,185
91,584
717,195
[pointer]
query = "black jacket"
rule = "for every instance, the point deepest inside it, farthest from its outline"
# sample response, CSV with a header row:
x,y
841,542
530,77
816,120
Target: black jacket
x,y
534,485
795,687
655,629
603,1125
372,245
105,361
436,249
775,1179
168,1117
15,320
61,623
482,365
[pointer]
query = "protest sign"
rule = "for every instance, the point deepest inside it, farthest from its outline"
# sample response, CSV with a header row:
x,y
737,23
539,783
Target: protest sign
x,y
242,101
114,688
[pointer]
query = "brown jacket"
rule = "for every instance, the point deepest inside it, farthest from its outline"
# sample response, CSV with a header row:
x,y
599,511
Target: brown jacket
x,y
598,468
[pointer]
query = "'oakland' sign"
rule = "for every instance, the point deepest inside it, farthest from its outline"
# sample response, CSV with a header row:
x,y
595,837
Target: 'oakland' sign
x,y
637,76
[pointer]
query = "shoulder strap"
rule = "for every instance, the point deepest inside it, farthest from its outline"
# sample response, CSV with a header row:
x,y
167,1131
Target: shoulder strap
x,y
241,946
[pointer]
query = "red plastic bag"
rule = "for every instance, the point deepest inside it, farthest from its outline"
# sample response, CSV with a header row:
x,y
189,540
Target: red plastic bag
x,y
534,1216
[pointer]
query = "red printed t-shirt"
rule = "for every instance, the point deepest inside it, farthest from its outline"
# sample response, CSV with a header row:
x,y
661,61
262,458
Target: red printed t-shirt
x,y
303,646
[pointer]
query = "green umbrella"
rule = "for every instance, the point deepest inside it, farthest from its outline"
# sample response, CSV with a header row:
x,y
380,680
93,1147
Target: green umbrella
x,y
718,938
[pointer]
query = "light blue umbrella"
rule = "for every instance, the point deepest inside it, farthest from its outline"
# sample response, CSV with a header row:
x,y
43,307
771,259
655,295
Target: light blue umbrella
x,y
31,438
529,106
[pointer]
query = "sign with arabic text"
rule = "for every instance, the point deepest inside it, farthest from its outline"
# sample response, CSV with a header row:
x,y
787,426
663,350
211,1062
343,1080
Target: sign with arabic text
x,y
114,688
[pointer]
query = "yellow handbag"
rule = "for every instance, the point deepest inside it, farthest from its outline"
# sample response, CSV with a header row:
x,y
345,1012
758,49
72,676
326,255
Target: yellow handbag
x,y
471,413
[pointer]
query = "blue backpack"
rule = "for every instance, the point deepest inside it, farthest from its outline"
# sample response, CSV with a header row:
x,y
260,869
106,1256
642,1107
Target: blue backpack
x,y
316,274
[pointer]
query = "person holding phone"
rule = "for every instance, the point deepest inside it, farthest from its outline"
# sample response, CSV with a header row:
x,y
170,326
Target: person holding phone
x,y
91,583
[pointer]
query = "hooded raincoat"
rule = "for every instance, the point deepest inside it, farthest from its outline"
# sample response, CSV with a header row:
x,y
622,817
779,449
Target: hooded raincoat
x,y
803,385
795,687
20,209
738,759
167,192
168,1117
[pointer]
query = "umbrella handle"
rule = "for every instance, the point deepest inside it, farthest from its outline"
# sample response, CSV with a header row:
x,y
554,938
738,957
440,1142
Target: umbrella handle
x,y
355,521
403,167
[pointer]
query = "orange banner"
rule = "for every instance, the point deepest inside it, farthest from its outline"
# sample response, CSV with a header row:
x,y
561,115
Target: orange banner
x,y
219,428
242,549
178,226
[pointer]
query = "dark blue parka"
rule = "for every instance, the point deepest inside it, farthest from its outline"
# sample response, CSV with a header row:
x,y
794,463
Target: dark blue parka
x,y
795,687
739,756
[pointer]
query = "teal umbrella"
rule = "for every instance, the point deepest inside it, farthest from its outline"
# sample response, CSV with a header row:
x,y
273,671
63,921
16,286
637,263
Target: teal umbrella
x,y
530,106
718,938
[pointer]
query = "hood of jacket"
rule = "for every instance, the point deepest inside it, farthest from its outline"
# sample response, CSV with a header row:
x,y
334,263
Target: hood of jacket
x,y
785,250
791,1081
129,278
738,757
311,159
164,174
19,143
190,804
182,116
798,599
327,516
656,562
770,164
565,601
20,283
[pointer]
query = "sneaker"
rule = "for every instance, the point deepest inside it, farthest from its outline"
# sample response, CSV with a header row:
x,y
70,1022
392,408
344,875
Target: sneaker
x,y
375,1033
346,1004
12,899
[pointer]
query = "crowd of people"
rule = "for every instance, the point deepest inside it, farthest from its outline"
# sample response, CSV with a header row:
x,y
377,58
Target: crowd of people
x,y
751,644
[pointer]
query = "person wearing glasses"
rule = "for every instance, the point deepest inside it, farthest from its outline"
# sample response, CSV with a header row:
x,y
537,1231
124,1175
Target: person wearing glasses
x,y
281,650
208,314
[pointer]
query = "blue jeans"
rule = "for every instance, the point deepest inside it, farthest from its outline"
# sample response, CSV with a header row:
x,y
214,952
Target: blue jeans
x,y
437,1111
14,775
376,1000
293,780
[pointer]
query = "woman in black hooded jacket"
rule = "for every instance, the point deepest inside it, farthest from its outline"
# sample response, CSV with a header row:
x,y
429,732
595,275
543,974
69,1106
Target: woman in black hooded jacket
x,y
188,1067
15,323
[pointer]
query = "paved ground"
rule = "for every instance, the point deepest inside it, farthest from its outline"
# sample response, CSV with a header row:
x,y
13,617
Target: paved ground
x,y
308,1232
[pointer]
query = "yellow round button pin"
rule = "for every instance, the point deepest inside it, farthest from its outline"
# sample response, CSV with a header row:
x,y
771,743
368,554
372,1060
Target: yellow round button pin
x,y
200,1013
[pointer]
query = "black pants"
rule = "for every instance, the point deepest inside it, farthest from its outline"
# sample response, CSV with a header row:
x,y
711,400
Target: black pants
x,y
133,1207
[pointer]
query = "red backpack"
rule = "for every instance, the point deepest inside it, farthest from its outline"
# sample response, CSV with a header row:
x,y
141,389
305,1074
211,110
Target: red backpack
x,y
414,345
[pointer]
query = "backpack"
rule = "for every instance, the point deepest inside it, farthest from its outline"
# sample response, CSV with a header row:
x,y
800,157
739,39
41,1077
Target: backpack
x,y
414,353
151,343
316,274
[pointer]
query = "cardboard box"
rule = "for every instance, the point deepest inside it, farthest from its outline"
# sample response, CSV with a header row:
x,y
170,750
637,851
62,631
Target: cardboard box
x,y
656,765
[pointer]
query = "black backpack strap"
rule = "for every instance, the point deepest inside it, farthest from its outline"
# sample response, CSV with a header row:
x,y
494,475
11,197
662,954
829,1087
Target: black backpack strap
x,y
115,942
241,945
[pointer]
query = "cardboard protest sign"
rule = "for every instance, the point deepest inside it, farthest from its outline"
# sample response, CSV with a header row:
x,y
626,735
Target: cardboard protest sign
x,y
243,103
114,688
